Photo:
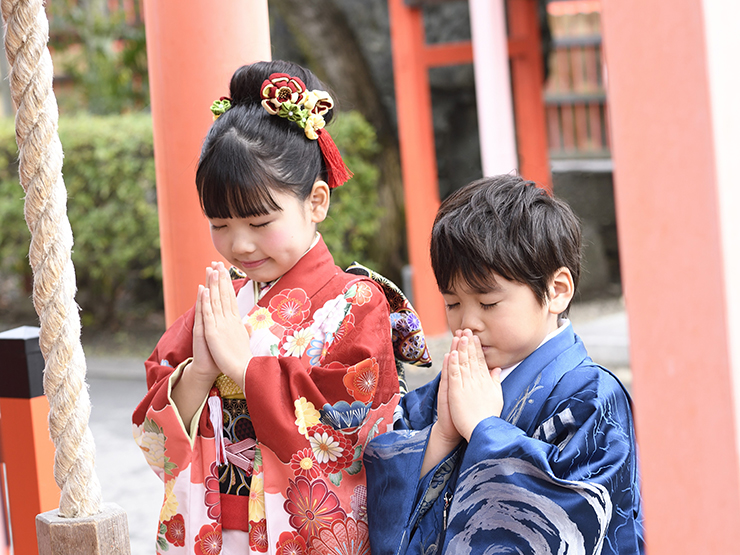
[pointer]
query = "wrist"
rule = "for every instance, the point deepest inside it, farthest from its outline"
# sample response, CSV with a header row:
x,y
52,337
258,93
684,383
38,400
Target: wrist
x,y
198,375
445,439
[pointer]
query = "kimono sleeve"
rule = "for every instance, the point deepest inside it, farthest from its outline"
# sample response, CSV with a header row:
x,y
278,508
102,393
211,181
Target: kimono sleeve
x,y
570,487
352,375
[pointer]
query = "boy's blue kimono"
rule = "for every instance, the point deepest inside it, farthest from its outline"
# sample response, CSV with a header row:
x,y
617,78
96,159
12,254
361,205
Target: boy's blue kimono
x,y
556,473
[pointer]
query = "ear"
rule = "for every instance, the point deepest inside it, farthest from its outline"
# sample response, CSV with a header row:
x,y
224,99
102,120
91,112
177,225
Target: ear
x,y
318,201
561,291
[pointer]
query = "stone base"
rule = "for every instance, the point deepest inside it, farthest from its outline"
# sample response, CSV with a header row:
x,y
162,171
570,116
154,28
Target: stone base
x,y
105,533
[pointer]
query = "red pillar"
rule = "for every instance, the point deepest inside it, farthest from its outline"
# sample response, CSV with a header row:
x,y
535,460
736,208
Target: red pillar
x,y
669,113
418,158
193,49
527,81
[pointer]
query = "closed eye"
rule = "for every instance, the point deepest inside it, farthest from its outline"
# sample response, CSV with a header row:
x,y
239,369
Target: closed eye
x,y
450,306
487,306
265,224
214,226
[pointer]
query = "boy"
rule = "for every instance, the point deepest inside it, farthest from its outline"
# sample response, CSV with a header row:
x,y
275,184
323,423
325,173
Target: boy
x,y
522,444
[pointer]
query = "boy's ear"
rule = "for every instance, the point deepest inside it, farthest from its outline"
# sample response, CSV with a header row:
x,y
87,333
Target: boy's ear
x,y
561,291
319,201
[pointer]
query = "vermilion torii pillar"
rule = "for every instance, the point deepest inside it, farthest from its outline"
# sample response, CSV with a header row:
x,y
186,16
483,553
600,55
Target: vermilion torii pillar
x,y
673,86
193,49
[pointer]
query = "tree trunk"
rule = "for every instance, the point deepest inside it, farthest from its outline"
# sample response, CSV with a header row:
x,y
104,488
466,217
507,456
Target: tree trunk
x,y
322,33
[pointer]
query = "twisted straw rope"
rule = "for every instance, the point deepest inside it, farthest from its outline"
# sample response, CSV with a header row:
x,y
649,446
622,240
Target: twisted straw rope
x,y
26,35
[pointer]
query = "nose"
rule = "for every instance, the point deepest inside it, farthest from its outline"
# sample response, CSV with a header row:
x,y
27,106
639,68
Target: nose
x,y
243,243
471,320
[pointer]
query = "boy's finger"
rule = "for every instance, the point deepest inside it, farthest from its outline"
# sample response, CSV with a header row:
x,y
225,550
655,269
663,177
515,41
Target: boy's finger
x,y
480,357
453,345
464,359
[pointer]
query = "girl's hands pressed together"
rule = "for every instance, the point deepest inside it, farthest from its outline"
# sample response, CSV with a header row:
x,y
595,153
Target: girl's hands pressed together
x,y
226,337
474,391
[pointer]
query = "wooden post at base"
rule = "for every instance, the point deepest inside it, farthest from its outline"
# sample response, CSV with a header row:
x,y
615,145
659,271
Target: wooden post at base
x,y
105,533
28,452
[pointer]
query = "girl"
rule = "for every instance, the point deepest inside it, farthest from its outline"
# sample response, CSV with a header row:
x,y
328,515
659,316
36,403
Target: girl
x,y
263,396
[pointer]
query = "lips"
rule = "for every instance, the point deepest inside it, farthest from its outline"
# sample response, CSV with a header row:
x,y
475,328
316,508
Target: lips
x,y
251,264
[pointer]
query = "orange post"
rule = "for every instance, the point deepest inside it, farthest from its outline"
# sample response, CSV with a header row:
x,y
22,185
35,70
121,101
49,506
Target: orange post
x,y
674,123
527,75
418,158
28,452
193,49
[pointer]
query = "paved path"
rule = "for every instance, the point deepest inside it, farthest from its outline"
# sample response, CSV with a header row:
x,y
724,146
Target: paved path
x,y
118,384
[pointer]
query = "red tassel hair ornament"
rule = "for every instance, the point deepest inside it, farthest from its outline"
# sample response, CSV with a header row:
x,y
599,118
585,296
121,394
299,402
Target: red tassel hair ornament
x,y
338,173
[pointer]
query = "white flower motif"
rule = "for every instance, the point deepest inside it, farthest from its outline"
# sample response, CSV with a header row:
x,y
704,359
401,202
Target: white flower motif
x,y
296,344
152,444
325,448
328,318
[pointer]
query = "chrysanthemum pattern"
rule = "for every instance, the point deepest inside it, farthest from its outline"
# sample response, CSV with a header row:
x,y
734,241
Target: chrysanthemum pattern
x,y
311,506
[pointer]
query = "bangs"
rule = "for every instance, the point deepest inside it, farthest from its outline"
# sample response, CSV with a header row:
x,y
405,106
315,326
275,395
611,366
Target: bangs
x,y
233,184
458,261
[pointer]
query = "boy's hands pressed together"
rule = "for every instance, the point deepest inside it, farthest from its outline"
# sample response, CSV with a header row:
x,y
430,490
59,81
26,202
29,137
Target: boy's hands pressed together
x,y
474,391
226,337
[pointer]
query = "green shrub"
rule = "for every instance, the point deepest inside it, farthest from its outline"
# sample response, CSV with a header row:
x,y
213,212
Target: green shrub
x,y
109,175
354,214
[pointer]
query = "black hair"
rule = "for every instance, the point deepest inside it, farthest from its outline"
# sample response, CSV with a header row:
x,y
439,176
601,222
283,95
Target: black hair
x,y
248,153
509,226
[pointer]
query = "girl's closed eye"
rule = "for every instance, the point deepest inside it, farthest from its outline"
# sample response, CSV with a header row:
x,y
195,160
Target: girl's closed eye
x,y
487,306
261,224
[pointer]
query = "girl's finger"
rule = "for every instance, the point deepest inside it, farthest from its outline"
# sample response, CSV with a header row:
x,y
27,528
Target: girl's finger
x,y
198,324
226,290
215,294
208,318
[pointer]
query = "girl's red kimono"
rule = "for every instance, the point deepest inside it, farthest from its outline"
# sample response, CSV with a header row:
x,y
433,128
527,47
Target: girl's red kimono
x,y
322,383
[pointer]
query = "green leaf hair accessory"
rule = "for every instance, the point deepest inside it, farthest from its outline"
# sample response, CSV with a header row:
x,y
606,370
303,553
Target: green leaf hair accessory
x,y
219,107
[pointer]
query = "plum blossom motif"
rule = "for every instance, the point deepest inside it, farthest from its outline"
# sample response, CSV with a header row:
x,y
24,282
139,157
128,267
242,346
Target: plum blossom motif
x,y
363,294
306,415
311,506
361,380
175,533
258,535
296,342
281,88
291,543
343,537
314,123
345,327
333,451
290,307
303,463
209,540
213,493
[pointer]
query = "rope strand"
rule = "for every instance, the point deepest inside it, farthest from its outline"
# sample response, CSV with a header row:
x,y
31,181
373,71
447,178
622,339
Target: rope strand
x,y
40,169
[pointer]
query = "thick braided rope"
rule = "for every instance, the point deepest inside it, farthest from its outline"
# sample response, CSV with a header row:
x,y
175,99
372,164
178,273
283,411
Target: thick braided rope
x,y
26,36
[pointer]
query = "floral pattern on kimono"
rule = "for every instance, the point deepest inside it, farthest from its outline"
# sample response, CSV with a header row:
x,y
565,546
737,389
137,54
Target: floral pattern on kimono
x,y
321,384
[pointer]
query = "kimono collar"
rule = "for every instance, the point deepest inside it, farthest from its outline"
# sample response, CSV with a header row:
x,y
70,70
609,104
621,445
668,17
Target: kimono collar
x,y
526,389
310,273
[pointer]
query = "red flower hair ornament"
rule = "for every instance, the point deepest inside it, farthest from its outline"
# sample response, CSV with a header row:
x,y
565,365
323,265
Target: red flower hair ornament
x,y
287,97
